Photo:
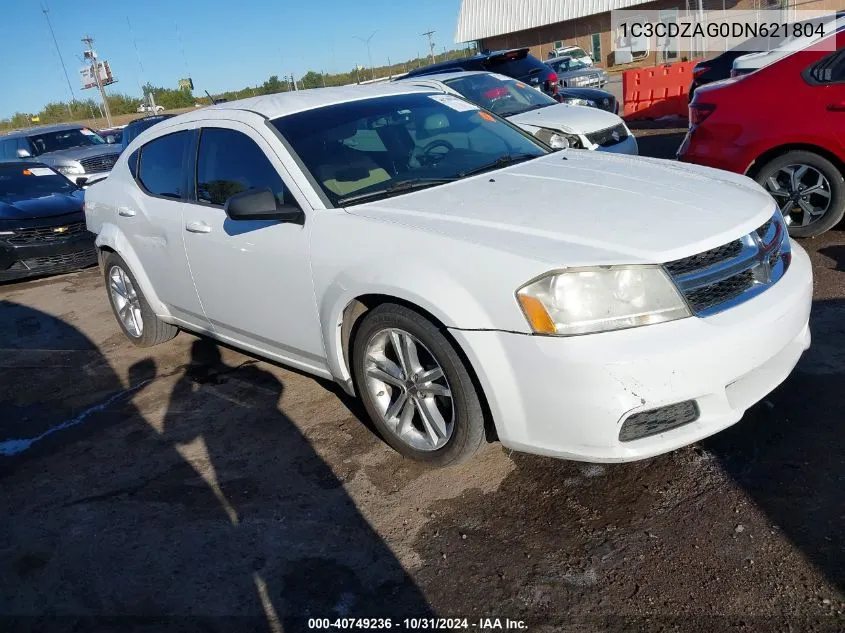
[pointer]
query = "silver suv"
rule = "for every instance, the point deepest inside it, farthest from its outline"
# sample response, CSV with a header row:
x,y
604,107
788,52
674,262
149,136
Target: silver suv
x,y
73,150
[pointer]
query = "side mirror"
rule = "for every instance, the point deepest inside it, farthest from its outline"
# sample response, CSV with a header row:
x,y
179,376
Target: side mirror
x,y
23,153
260,204
110,139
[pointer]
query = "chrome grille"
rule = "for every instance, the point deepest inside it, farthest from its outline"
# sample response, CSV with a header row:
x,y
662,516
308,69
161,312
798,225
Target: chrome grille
x,y
78,259
100,163
605,138
44,234
705,259
722,277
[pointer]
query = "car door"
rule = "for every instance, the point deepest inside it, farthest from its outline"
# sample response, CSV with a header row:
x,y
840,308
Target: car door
x,y
253,277
150,216
827,77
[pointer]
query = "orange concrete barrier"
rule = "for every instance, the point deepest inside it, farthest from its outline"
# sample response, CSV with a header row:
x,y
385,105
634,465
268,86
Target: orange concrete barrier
x,y
656,91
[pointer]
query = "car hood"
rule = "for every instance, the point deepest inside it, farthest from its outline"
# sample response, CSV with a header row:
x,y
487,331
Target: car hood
x,y
581,72
45,207
568,118
587,208
77,153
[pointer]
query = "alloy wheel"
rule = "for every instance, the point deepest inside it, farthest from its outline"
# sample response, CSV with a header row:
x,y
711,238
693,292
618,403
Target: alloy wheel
x,y
802,193
409,389
125,300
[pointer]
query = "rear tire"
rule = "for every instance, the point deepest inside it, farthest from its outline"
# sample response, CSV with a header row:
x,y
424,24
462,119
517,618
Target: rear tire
x,y
440,421
130,307
774,176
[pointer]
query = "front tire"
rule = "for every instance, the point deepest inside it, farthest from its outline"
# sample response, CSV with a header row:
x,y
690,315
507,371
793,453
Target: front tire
x,y
808,189
415,387
131,308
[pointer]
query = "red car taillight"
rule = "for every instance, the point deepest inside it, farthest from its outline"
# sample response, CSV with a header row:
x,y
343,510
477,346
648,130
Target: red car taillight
x,y
552,79
698,112
699,70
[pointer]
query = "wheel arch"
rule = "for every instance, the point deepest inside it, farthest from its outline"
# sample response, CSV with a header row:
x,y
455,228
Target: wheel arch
x,y
112,240
770,154
351,317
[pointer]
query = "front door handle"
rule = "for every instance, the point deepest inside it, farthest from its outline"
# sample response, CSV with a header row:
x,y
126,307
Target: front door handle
x,y
198,227
126,212
836,107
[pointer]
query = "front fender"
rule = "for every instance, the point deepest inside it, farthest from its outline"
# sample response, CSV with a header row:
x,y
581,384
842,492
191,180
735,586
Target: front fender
x,y
421,284
112,237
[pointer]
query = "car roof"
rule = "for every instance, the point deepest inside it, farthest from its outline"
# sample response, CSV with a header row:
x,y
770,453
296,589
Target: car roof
x,y
461,61
449,75
284,103
42,129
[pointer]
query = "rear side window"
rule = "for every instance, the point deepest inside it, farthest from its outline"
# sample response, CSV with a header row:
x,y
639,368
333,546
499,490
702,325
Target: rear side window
x,y
230,162
829,70
7,149
161,166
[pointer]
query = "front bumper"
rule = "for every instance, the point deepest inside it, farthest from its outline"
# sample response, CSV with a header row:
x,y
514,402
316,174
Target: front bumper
x,y
568,397
21,259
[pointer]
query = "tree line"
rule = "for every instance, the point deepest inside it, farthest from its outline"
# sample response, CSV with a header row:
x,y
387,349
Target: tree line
x,y
174,98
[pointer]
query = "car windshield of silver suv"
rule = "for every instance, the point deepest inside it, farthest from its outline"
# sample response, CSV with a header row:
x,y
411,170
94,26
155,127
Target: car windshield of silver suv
x,y
63,140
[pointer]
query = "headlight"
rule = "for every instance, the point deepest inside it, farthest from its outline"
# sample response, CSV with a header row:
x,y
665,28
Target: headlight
x,y
600,299
557,139
582,102
70,170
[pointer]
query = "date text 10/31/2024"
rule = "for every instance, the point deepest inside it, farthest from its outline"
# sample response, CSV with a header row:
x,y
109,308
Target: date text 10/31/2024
x,y
415,624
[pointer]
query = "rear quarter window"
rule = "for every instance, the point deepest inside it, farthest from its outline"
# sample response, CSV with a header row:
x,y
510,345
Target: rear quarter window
x,y
161,166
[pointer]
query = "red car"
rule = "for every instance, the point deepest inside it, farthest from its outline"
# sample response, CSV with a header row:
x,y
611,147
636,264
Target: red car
x,y
784,126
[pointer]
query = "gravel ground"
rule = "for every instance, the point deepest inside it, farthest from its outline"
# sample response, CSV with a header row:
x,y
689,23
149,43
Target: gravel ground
x,y
191,487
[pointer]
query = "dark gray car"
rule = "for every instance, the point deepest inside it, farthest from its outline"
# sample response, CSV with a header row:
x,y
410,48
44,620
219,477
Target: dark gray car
x,y
574,73
71,149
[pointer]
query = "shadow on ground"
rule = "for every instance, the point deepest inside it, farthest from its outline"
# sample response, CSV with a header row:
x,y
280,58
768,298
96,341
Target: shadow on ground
x,y
211,513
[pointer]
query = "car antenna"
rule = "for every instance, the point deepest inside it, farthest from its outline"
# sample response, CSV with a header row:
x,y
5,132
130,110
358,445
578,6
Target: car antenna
x,y
213,102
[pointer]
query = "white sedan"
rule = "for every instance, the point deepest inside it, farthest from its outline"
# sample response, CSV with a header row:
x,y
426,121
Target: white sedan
x,y
559,125
459,277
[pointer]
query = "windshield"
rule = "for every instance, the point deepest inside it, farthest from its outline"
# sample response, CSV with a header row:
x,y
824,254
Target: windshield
x,y
58,141
577,53
17,181
567,64
385,144
505,97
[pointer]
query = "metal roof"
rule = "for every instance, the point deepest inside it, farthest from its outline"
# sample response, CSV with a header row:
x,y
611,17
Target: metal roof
x,y
485,18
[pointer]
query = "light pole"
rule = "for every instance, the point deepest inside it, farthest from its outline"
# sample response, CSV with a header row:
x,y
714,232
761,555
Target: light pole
x,y
366,41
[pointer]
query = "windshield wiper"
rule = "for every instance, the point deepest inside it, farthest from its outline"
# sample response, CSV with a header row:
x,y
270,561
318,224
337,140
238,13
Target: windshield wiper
x,y
502,161
400,186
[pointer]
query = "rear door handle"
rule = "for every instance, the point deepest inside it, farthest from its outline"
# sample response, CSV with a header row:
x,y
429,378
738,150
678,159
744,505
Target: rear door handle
x,y
198,227
126,212
836,107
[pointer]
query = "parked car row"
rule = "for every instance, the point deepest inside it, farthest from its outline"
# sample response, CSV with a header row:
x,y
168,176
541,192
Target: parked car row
x,y
452,259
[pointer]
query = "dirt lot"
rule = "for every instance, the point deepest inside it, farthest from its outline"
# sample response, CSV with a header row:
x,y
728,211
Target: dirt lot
x,y
219,492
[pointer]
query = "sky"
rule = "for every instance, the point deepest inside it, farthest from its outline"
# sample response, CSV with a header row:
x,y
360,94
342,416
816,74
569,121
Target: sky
x,y
221,44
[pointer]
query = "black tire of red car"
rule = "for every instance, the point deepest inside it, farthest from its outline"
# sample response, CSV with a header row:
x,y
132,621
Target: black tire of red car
x,y
836,209
154,331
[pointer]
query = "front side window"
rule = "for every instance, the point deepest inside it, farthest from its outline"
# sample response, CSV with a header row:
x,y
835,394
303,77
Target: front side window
x,y
161,164
65,139
505,97
401,142
230,162
25,182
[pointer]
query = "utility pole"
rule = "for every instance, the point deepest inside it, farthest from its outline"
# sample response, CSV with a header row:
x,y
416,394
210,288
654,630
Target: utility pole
x,y
46,13
366,41
92,57
430,43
